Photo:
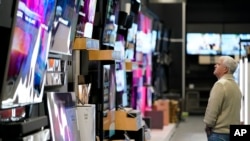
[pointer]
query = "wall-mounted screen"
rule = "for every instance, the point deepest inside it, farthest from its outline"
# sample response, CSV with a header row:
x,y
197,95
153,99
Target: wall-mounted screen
x,y
62,116
28,53
86,18
230,44
203,43
111,21
63,31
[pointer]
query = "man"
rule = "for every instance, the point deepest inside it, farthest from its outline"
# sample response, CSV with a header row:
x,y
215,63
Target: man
x,y
224,103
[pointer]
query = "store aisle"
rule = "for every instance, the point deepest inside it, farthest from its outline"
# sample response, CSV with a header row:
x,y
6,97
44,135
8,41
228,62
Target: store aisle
x,y
191,129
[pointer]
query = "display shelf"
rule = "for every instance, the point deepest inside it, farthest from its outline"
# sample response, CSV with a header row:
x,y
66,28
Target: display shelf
x,y
130,65
86,43
104,55
129,121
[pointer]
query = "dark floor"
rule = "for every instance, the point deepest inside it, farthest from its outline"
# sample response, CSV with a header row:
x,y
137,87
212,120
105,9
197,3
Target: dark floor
x,y
190,129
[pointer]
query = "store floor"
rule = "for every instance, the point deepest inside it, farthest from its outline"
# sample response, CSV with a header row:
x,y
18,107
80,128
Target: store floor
x,y
190,129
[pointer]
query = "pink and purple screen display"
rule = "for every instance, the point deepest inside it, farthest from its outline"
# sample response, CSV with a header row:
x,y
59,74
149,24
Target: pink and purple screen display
x,y
28,53
62,115
86,18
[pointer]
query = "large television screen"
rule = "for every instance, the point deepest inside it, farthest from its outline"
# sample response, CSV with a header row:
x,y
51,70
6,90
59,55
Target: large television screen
x,y
109,99
62,116
230,44
203,44
111,23
28,53
64,25
86,18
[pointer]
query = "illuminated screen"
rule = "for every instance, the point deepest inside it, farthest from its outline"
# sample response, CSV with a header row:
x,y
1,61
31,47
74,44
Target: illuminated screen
x,y
64,25
131,41
143,38
62,115
111,20
86,18
230,44
28,53
203,44
109,94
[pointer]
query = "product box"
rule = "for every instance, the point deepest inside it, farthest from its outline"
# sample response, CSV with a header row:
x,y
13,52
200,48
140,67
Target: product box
x,y
86,121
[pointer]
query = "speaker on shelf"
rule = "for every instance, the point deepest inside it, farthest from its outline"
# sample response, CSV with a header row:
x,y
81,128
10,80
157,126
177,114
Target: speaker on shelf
x,y
129,21
122,18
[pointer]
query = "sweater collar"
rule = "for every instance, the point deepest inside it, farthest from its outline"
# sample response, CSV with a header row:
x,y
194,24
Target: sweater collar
x,y
227,76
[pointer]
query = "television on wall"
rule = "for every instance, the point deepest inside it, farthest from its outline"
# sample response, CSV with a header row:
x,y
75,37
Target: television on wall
x,y
110,23
203,43
86,17
230,44
28,52
64,26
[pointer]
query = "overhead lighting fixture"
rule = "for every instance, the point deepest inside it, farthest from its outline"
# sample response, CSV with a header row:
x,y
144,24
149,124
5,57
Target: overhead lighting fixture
x,y
167,1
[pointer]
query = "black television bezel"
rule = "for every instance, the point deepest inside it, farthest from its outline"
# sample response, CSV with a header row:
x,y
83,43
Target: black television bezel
x,y
7,61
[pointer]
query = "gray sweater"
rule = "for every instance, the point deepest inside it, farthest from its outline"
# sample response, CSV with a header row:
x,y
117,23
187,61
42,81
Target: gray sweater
x,y
224,105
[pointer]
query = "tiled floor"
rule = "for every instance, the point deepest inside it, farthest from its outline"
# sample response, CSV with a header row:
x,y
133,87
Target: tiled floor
x,y
191,129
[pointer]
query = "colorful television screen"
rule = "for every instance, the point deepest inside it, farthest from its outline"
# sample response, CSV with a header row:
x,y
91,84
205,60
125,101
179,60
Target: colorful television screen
x,y
28,53
86,17
62,116
64,26
111,21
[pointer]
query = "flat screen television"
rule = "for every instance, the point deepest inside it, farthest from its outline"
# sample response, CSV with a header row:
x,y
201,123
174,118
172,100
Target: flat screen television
x,y
143,37
64,26
110,23
62,116
203,43
109,99
230,44
131,42
28,52
86,17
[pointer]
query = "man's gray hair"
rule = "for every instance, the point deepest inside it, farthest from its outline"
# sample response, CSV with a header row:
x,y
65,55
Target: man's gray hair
x,y
230,63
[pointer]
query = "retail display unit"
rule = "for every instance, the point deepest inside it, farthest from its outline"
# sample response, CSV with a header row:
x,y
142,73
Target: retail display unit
x,y
65,45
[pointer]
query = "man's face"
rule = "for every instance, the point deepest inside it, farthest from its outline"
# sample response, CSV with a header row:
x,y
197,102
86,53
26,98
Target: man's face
x,y
220,69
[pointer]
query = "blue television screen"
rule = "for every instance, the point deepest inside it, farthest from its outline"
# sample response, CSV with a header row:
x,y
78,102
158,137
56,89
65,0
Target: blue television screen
x,y
203,43
230,44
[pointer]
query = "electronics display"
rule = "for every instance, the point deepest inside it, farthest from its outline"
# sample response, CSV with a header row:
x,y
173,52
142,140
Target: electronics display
x,y
215,43
236,74
143,38
111,21
106,85
130,43
109,94
63,116
64,26
55,73
203,43
29,47
86,18
230,44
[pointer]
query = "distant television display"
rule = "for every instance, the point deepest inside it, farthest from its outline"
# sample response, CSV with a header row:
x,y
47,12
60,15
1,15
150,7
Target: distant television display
x,y
230,44
203,43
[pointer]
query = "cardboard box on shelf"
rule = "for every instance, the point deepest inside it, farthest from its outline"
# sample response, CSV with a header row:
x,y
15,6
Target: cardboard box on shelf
x,y
163,105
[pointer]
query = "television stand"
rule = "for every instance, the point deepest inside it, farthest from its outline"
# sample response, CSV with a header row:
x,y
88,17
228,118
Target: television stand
x,y
10,130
